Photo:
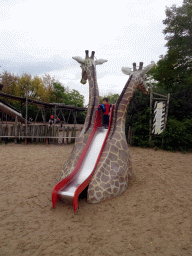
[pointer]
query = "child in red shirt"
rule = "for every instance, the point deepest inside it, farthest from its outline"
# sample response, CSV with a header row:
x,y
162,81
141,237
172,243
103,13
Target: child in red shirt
x,y
105,107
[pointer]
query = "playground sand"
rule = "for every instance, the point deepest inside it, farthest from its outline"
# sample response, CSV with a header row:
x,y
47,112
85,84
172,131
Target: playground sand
x,y
152,217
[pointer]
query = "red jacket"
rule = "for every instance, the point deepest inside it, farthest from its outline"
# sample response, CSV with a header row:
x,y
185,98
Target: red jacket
x,y
107,109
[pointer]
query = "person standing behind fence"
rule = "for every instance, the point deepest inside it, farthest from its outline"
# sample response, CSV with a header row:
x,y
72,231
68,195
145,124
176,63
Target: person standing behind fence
x,y
51,120
105,107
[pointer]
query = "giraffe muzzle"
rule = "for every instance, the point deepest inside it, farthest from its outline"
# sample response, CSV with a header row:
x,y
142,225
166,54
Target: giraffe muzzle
x,y
83,81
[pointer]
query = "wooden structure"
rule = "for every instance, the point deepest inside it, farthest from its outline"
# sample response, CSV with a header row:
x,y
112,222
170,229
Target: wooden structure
x,y
57,108
38,133
41,103
159,98
33,132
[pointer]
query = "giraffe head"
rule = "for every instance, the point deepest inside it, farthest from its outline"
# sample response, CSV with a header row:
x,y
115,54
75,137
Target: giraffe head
x,y
88,64
139,75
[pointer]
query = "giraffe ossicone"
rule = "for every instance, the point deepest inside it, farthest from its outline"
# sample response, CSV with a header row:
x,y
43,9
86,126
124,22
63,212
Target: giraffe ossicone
x,y
127,71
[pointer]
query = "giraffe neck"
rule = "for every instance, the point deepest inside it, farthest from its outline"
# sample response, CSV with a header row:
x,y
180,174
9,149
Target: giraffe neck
x,y
126,96
93,97
123,103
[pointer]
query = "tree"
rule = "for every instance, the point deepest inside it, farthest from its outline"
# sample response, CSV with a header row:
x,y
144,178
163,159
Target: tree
x,y
172,73
24,84
45,89
138,118
9,81
178,29
39,89
178,33
59,92
111,97
75,98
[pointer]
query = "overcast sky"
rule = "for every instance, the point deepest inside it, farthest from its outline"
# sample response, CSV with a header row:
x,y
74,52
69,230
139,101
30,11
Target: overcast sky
x,y
41,36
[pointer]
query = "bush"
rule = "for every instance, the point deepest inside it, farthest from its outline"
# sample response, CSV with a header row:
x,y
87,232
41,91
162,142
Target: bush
x,y
178,135
138,119
141,131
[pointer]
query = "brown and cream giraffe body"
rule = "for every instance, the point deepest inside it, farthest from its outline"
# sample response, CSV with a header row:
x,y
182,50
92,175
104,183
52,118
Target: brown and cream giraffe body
x,y
114,167
88,66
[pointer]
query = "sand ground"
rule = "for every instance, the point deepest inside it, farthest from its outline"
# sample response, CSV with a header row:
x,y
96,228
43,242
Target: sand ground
x,y
152,217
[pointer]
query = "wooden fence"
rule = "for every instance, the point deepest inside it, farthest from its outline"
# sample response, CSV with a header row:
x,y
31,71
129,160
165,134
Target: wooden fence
x,y
38,133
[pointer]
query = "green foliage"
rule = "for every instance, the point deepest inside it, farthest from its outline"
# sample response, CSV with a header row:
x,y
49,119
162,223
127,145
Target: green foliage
x,y
141,130
44,89
178,33
180,106
74,98
138,119
111,97
178,135
166,74
174,70
178,29
81,115
58,93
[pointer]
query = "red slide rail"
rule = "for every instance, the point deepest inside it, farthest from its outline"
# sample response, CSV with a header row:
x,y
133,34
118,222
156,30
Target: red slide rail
x,y
63,182
81,187
86,182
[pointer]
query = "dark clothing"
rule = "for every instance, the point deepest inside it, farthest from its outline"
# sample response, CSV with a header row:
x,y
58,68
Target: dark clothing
x,y
102,107
106,120
106,110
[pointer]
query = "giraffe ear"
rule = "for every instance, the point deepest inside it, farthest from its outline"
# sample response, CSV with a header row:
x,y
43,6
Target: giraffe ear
x,y
147,68
126,71
79,59
100,61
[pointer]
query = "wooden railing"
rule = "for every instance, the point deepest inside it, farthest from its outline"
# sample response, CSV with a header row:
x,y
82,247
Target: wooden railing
x,y
38,133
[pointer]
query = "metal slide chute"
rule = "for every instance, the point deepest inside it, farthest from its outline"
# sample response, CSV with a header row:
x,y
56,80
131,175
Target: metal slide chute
x,y
71,186
11,111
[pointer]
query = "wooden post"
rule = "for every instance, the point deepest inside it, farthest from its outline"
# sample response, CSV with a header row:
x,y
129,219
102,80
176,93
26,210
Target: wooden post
x,y
67,135
26,116
43,115
150,119
74,134
166,115
54,133
63,140
55,112
32,131
37,133
1,131
16,123
166,112
6,133
129,136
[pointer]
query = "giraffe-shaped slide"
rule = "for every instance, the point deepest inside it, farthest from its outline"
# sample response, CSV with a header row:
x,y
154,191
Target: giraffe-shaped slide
x,y
100,159
80,166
